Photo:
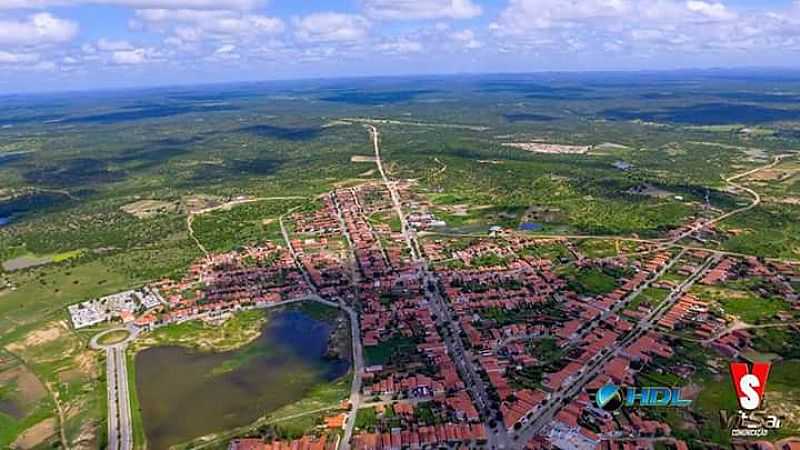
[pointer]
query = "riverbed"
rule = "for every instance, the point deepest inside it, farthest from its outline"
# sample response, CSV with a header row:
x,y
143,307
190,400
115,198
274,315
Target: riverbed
x,y
185,393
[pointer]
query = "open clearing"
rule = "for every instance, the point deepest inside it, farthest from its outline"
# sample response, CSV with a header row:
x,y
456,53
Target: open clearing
x,y
40,337
144,209
28,390
31,260
35,435
550,149
362,159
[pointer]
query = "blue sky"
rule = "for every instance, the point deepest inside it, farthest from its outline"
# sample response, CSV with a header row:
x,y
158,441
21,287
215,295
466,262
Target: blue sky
x,y
83,44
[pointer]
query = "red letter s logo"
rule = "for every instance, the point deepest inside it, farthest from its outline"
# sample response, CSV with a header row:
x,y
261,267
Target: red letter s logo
x,y
749,385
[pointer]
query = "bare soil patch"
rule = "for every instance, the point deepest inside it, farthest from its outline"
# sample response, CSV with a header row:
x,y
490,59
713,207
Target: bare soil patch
x,y
50,333
145,209
462,209
552,149
25,262
362,159
648,190
27,391
200,202
35,435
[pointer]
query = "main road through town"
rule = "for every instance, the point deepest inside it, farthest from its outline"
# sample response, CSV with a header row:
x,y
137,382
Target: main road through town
x,y
497,438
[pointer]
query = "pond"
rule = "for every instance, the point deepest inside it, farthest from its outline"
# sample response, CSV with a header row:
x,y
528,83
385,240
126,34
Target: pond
x,y
185,394
4,221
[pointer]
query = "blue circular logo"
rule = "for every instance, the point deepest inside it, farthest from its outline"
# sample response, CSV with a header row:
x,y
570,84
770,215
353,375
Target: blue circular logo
x,y
608,397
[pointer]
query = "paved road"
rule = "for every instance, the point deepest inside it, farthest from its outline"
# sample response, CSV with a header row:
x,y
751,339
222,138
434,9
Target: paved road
x,y
496,438
559,398
113,410
625,302
120,427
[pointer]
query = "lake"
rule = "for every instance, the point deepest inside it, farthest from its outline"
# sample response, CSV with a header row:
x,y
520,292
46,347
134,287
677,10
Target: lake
x,y
185,394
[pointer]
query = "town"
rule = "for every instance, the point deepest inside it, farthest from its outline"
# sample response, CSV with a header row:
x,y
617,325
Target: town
x,y
492,341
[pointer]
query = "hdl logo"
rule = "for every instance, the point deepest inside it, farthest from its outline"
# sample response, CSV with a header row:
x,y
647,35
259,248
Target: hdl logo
x,y
610,397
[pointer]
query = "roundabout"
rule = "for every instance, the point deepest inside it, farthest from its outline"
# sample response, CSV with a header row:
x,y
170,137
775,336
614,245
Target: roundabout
x,y
113,337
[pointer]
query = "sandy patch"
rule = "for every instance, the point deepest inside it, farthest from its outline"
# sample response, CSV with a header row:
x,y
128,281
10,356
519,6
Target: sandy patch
x,y
553,149
87,437
462,209
336,123
25,262
362,158
144,209
39,337
788,200
200,202
368,173
611,146
772,175
35,435
87,362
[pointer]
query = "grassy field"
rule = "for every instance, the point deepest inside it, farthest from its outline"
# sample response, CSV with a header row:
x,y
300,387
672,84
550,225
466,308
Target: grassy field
x,y
748,306
384,352
137,421
592,282
236,332
242,225
42,293
649,297
113,337
366,419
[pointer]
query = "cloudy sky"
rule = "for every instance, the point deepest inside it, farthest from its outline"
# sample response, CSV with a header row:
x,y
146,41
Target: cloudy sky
x,y
80,44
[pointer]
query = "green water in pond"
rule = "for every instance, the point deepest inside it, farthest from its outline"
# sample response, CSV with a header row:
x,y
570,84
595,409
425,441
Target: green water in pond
x,y
185,393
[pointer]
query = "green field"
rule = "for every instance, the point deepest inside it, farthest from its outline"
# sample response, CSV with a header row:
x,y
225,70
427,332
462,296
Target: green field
x,y
745,304
593,282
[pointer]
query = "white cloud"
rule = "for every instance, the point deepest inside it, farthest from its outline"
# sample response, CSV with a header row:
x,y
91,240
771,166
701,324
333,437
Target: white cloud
x,y
161,4
467,39
331,27
108,45
229,48
17,58
193,25
224,52
136,56
421,9
524,15
641,27
714,11
401,46
38,29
